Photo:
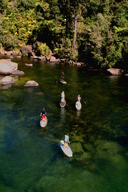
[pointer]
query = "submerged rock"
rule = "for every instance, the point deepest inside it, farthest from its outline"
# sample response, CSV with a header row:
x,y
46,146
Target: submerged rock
x,y
29,65
17,72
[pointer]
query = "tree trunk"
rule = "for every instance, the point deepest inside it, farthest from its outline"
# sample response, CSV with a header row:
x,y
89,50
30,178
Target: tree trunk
x,y
75,31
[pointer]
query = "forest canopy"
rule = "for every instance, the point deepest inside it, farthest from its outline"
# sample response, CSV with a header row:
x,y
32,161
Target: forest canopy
x,y
94,32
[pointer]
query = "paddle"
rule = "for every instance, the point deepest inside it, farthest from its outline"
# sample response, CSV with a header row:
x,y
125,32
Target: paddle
x,y
83,101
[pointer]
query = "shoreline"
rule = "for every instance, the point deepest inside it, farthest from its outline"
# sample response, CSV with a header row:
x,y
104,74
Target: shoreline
x,y
52,59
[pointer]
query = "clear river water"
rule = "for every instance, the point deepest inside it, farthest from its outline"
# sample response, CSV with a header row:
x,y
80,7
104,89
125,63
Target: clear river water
x,y
31,159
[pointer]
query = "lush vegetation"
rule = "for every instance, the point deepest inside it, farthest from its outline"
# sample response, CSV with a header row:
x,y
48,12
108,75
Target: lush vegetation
x,y
92,31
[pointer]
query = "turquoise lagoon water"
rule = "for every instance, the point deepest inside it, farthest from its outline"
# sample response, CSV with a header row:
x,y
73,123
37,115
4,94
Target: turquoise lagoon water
x,y
30,157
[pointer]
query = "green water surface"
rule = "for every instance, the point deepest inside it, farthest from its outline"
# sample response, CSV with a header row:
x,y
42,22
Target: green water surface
x,y
31,159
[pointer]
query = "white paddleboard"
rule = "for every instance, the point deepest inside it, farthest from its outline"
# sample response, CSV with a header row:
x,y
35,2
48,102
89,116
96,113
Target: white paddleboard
x,y
62,81
78,105
67,150
62,104
43,122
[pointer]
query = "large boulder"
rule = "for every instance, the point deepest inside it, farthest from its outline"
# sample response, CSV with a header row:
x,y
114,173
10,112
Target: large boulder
x,y
115,71
8,53
7,80
31,83
54,59
1,51
26,50
7,66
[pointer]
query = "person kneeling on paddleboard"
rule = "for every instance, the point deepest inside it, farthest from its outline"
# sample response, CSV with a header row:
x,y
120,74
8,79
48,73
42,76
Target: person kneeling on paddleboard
x,y
66,139
43,113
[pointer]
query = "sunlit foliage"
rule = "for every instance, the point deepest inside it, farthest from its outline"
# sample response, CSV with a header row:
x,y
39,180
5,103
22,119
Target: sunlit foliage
x,y
95,31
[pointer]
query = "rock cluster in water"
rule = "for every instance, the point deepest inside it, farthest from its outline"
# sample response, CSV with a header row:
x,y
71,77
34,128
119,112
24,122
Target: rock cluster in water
x,y
7,67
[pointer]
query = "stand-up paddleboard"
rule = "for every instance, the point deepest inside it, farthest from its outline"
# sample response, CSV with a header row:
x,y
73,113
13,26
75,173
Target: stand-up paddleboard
x,y
78,105
43,122
62,104
63,81
66,149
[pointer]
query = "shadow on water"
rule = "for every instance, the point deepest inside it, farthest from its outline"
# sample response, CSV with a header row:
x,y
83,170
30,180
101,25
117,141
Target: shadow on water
x,y
123,141
9,182
10,139
52,159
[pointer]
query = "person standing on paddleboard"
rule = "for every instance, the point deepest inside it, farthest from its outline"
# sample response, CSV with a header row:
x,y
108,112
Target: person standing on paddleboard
x,y
79,98
62,96
66,139
62,76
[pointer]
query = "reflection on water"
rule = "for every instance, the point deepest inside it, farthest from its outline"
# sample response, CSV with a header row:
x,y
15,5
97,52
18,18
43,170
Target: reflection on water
x,y
30,89
114,77
78,113
6,86
62,113
31,159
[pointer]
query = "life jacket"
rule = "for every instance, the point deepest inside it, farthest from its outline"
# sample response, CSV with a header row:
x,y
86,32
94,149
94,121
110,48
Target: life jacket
x,y
43,116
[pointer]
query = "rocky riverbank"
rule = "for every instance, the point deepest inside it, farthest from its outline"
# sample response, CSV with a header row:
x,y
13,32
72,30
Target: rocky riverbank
x,y
28,51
